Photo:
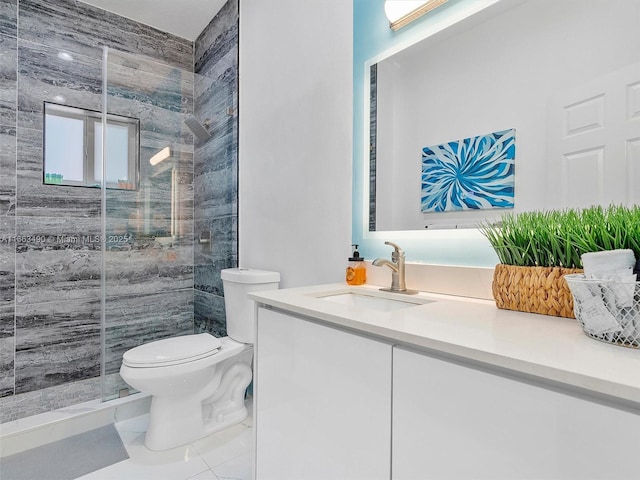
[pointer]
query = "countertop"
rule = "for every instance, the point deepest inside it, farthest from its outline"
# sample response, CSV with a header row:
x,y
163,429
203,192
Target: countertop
x,y
549,348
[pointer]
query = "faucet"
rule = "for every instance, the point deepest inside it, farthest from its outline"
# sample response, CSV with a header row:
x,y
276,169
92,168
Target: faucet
x,y
396,265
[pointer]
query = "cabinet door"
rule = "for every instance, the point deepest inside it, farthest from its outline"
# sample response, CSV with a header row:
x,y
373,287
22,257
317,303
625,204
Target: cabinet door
x,y
455,422
322,402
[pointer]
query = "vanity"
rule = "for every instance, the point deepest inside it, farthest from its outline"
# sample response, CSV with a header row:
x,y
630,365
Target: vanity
x,y
354,383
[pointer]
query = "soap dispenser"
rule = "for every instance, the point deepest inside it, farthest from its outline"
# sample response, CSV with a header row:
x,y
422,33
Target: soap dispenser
x,y
356,271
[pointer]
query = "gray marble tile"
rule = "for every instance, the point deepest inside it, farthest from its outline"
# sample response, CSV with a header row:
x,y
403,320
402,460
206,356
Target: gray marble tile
x,y
81,28
221,253
56,343
26,404
209,314
33,198
220,152
8,17
167,88
223,246
57,259
216,98
373,132
220,36
152,66
216,101
8,149
161,125
7,195
146,265
215,166
132,320
8,78
7,170
206,277
44,76
153,199
215,194
7,260
7,349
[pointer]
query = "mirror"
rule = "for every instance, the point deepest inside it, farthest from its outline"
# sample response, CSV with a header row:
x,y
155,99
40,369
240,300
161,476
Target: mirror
x,y
564,75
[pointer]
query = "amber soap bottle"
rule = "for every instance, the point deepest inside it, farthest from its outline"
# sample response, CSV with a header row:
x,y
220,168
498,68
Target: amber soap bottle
x,y
356,270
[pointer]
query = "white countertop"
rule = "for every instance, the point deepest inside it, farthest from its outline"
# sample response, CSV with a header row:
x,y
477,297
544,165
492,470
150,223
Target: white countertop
x,y
551,348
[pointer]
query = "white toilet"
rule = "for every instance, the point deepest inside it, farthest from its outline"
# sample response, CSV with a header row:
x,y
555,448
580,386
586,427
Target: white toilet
x,y
198,382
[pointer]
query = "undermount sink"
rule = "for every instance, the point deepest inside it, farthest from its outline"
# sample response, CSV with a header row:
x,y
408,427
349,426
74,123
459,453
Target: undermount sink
x,y
370,302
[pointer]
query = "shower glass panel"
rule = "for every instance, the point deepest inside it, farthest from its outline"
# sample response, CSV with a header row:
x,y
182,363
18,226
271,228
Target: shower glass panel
x,y
148,220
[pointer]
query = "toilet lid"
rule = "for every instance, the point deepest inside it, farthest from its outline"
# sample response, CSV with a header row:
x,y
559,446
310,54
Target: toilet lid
x,y
172,351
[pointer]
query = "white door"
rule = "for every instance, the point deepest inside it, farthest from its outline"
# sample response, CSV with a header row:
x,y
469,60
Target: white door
x,y
594,142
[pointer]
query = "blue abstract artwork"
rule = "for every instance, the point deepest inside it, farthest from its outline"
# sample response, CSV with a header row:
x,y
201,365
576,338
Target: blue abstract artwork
x,y
470,174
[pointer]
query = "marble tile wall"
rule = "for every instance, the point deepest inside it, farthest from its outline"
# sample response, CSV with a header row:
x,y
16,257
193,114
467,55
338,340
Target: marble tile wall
x,y
373,129
49,259
216,166
8,115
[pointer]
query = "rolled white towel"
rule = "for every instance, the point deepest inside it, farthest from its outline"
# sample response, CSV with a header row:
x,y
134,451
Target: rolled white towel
x,y
609,262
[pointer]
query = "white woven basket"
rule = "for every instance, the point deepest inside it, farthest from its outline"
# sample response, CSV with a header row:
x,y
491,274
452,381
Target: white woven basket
x,y
606,310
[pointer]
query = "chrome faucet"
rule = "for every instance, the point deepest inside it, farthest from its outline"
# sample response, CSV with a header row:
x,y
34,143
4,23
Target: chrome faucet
x,y
398,284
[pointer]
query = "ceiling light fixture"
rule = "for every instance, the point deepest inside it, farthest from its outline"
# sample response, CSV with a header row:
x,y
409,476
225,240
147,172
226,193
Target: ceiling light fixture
x,y
402,12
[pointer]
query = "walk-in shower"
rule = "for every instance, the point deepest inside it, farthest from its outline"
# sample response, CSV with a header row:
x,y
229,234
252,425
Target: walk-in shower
x,y
98,257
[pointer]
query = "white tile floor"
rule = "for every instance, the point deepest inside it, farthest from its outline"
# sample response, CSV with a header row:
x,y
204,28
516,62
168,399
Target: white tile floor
x,y
226,455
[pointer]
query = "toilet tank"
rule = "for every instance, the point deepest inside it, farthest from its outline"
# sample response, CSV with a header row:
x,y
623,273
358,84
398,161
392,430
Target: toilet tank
x,y
237,283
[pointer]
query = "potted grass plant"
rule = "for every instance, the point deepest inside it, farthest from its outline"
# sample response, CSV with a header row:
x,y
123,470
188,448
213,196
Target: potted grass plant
x,y
536,249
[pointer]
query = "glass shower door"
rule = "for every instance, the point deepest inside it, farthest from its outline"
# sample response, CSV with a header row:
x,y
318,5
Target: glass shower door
x,y
148,208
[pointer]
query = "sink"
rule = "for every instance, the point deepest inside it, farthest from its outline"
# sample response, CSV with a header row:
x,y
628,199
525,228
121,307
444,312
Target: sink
x,y
370,302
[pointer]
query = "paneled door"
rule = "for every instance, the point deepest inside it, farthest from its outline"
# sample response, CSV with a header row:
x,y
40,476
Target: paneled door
x,y
594,142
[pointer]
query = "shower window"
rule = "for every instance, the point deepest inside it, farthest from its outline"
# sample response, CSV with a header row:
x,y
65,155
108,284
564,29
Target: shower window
x,y
73,148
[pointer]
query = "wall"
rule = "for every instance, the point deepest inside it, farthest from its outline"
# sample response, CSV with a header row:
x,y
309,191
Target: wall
x,y
49,276
295,140
216,166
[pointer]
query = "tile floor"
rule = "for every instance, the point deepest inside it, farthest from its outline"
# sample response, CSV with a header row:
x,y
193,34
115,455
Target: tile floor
x,y
226,455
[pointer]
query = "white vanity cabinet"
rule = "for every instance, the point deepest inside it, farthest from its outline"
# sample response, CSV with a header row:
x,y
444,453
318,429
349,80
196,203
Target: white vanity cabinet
x,y
444,390
323,401
453,421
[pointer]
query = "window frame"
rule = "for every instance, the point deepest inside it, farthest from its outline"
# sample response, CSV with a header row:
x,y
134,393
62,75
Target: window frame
x,y
90,118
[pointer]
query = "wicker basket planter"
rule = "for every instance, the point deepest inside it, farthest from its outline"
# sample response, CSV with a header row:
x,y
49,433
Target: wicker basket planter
x,y
540,290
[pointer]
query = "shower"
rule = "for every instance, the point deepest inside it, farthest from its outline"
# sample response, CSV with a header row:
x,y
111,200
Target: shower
x,y
199,129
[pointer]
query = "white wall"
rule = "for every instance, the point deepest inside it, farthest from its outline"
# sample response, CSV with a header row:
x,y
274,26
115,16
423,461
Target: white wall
x,y
295,142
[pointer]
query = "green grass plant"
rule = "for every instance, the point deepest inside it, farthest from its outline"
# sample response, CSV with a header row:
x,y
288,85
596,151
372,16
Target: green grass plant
x,y
557,238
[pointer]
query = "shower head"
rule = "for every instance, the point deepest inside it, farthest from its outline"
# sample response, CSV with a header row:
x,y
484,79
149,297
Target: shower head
x,y
198,129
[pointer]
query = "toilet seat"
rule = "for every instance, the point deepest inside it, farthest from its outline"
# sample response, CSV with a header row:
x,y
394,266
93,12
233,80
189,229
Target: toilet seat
x,y
172,351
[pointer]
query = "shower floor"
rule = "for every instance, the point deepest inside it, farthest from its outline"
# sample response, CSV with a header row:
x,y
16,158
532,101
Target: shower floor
x,y
224,455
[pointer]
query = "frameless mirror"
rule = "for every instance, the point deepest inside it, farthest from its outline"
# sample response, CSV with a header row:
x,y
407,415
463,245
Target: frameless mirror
x,y
73,148
564,75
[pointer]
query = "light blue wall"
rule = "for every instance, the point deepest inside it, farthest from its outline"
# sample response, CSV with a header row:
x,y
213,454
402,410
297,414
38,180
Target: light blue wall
x,y
372,37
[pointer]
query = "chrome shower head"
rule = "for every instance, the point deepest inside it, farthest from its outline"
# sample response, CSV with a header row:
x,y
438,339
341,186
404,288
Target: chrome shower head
x,y
198,129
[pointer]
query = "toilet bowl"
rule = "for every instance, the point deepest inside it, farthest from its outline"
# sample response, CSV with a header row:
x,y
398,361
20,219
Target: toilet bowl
x,y
198,382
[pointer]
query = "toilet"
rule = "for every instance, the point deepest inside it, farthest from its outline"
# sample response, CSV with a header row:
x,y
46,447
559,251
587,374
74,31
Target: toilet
x,y
197,382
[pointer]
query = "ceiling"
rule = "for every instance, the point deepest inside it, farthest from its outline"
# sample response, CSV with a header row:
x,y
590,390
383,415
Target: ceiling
x,y
185,18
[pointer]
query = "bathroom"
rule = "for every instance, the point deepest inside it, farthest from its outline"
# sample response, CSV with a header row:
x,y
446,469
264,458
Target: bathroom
x,y
169,285
295,115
